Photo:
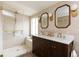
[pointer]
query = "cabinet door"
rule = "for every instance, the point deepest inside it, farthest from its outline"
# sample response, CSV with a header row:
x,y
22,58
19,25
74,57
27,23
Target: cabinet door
x,y
41,47
58,49
35,45
46,48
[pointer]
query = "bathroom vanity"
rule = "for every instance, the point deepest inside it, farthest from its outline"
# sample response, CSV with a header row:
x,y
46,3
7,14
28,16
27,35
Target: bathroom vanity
x,y
45,46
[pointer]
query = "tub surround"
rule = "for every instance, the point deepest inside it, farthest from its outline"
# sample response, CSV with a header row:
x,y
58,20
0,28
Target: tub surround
x,y
73,29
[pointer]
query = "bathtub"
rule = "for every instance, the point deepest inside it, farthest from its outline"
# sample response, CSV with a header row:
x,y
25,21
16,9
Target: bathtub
x,y
19,49
14,51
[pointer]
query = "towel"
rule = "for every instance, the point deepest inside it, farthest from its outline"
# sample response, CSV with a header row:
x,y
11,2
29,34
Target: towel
x,y
73,53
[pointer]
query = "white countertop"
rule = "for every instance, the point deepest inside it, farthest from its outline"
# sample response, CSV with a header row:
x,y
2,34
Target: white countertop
x,y
67,40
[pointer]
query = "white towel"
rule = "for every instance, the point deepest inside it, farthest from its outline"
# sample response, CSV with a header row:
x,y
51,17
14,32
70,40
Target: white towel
x,y
73,53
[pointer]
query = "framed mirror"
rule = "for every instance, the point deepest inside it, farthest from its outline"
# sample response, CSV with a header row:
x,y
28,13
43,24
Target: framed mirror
x,y
62,16
44,20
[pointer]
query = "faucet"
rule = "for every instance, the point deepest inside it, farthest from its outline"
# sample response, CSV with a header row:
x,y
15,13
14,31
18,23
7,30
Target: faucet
x,y
59,35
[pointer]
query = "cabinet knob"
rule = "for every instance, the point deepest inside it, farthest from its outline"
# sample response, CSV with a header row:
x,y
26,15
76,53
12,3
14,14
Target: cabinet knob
x,y
53,46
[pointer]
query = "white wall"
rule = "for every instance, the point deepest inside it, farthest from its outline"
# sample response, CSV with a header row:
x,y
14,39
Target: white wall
x,y
34,26
1,34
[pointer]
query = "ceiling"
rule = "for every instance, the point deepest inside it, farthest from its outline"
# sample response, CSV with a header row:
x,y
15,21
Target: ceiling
x,y
27,7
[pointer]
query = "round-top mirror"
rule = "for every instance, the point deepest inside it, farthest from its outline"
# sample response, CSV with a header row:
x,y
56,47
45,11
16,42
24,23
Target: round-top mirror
x,y
44,19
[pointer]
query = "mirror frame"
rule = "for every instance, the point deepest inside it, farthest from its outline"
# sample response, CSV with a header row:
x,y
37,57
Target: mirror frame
x,y
47,20
69,15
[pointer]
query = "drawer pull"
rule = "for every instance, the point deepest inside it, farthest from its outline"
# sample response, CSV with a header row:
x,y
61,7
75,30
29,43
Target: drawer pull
x,y
53,46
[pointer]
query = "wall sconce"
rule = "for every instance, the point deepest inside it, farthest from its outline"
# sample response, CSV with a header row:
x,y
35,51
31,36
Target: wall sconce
x,y
51,17
74,8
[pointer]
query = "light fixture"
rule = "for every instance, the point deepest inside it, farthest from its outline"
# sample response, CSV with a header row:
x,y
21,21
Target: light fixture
x,y
74,8
50,16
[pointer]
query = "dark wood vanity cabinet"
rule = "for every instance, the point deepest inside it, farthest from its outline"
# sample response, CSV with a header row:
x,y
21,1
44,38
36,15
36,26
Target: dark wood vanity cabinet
x,y
47,48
